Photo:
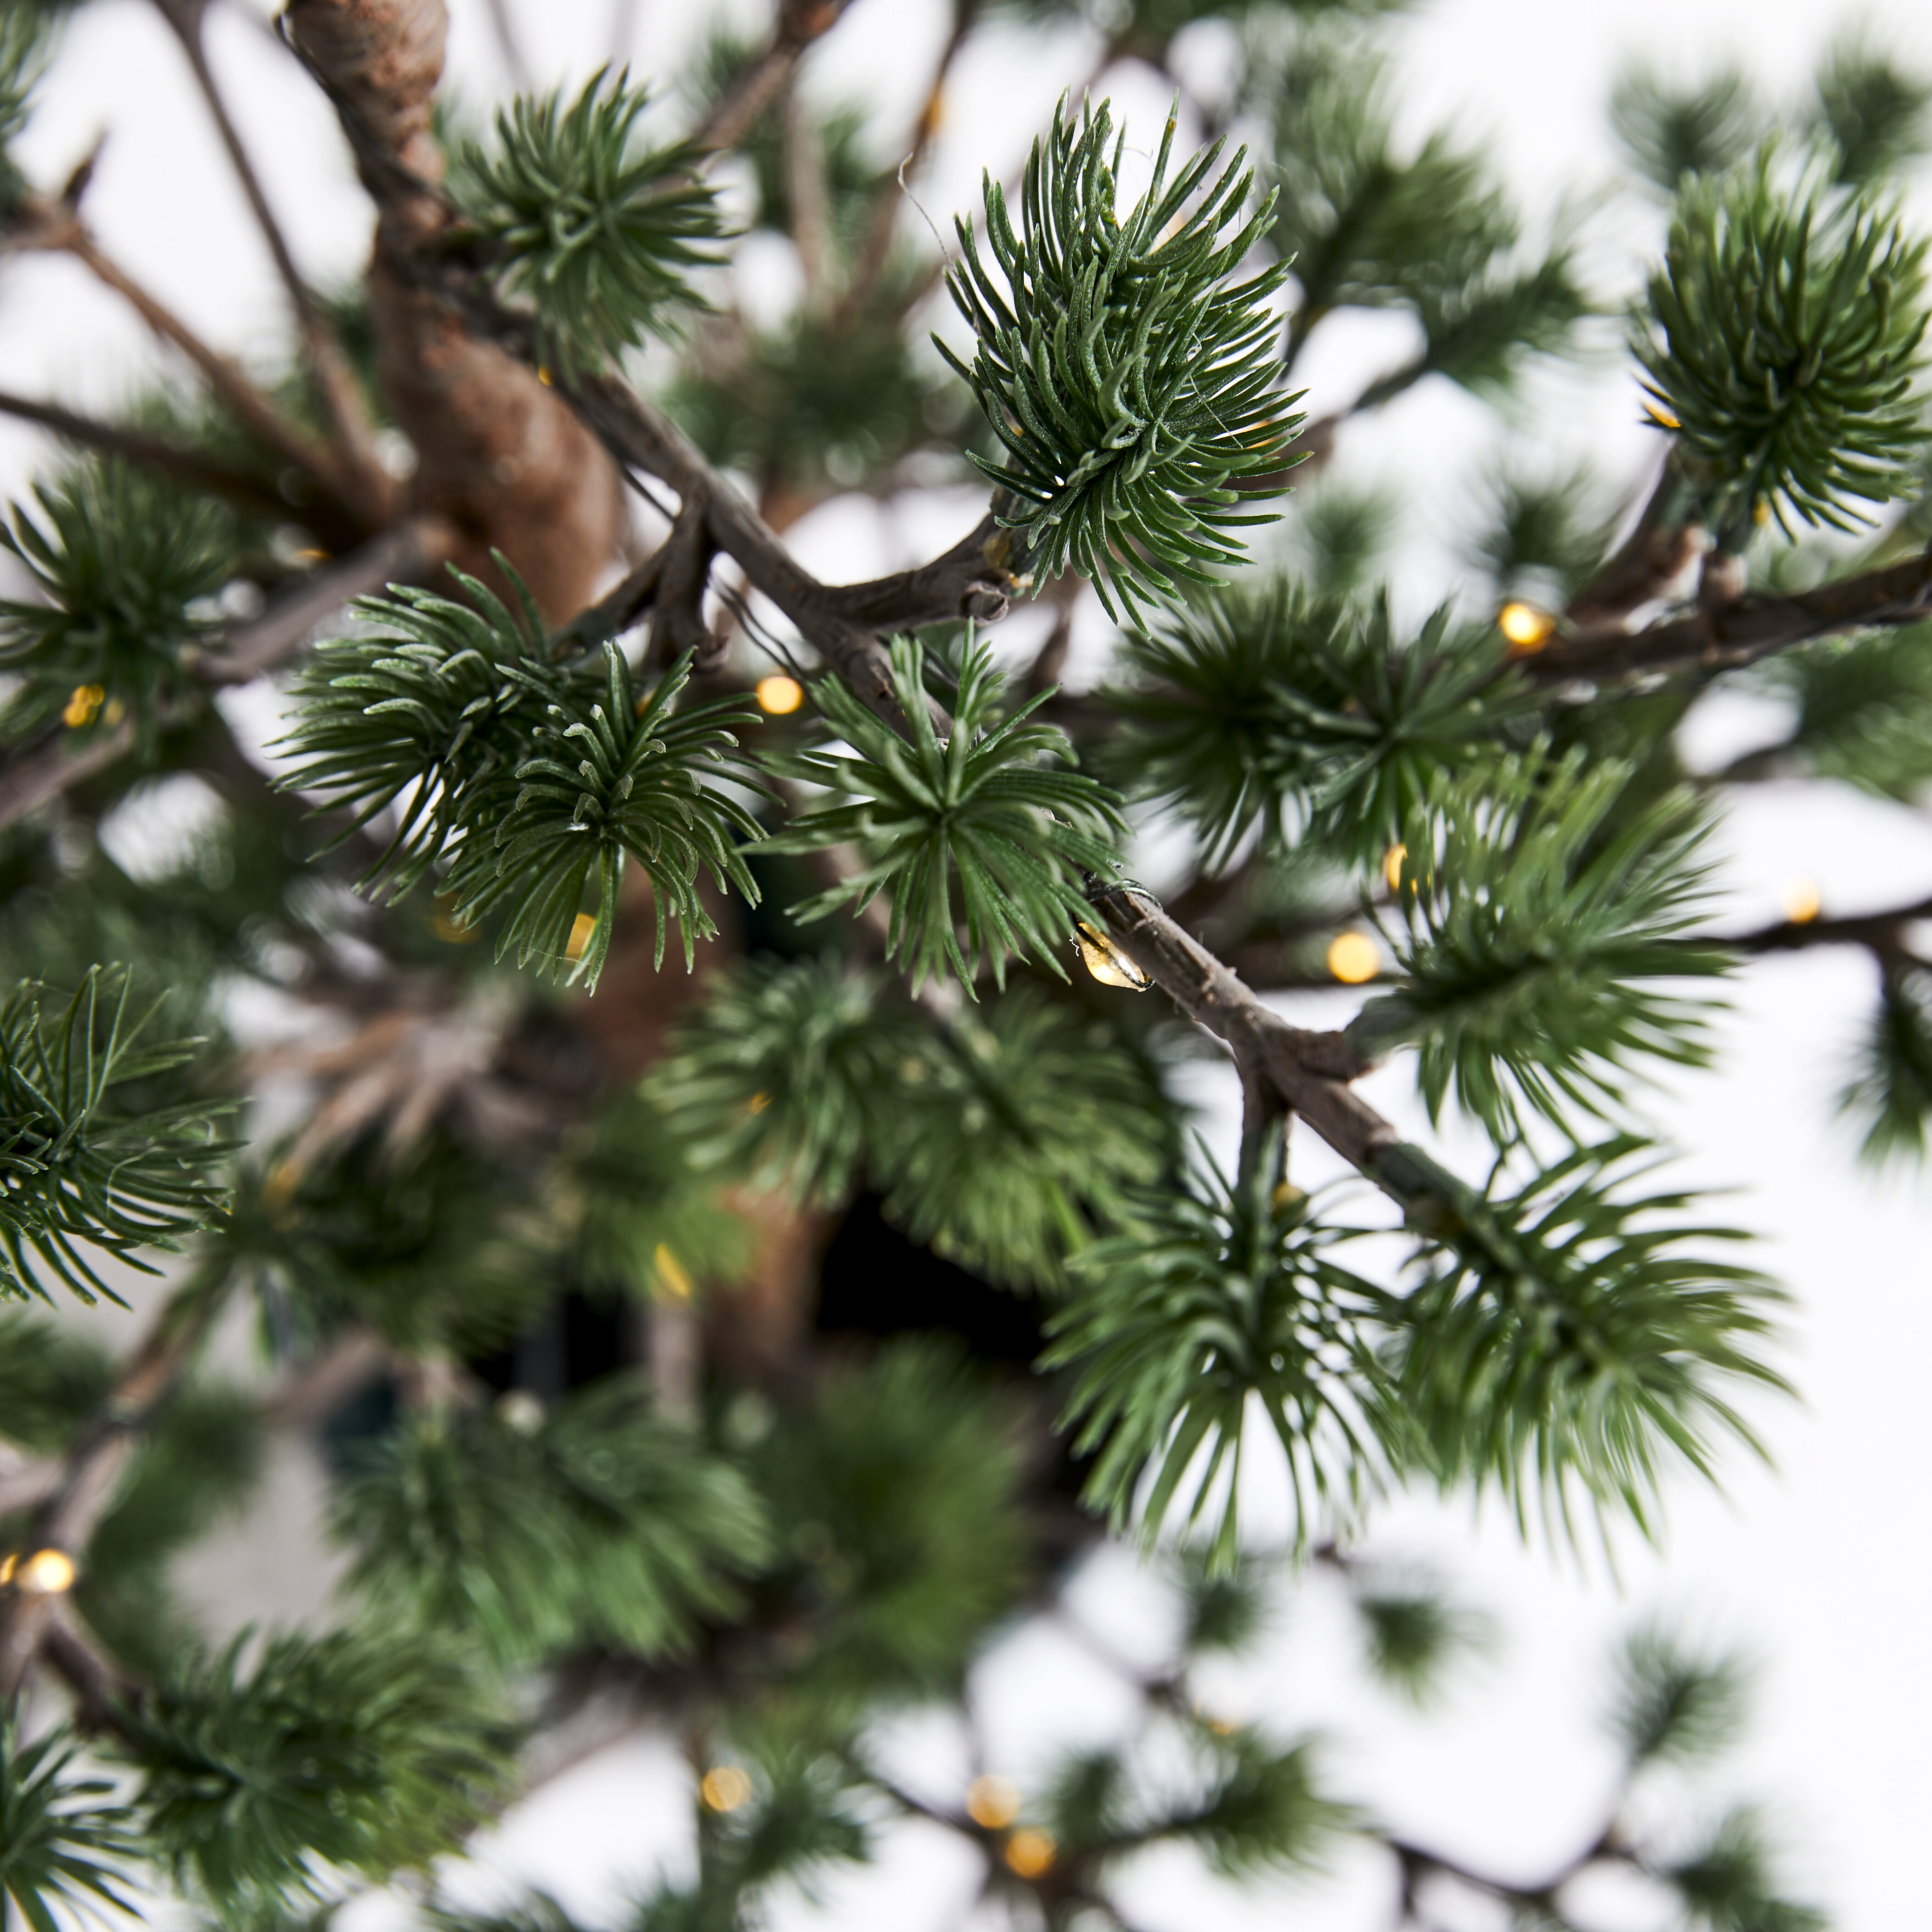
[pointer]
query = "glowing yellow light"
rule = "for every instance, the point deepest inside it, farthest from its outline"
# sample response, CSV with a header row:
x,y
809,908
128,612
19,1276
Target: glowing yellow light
x,y
1392,866
758,1102
581,928
278,1189
6,1563
86,700
1029,1853
1106,961
1662,417
779,695
1800,901
673,1284
47,1573
1527,627
449,926
1353,958
311,557
544,377
992,1802
724,1787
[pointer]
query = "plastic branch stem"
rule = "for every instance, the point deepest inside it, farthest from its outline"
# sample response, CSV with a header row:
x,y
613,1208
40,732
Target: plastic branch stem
x,y
369,484
735,112
1755,626
91,1469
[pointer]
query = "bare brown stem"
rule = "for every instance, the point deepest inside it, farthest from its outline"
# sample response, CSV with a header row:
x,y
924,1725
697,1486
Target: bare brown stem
x,y
1753,627
225,376
246,489
369,484
735,112
90,1471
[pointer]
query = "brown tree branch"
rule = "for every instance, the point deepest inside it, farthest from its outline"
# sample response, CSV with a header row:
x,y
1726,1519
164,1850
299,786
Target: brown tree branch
x,y
371,486
40,774
246,489
1754,627
735,112
37,775
500,453
1882,932
91,1469
226,379
878,245
409,553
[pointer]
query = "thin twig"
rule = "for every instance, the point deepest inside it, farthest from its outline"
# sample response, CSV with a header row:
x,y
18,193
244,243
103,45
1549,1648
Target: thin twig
x,y
1754,627
735,112
224,376
247,488
92,1468
335,382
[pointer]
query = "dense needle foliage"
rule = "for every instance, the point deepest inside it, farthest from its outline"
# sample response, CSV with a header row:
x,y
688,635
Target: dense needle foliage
x,y
747,1353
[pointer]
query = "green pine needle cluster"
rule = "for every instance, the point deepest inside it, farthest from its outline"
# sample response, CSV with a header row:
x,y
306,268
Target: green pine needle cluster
x,y
65,1843
899,1492
1890,1096
533,780
1543,536
1016,1134
1247,1806
371,1752
775,1079
24,35
1877,117
1366,225
610,777
1780,343
646,1219
1864,710
1226,1292
1564,1343
95,1151
1540,911
600,1524
1668,131
1005,1138
1673,1705
595,232
1131,382
1726,1883
1411,1633
125,566
983,830
1263,711
423,1247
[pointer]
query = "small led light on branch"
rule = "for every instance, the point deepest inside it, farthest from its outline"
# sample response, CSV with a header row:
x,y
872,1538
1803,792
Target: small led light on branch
x,y
1392,866
1106,961
992,1803
1029,1853
1526,628
581,928
86,700
1353,958
779,695
47,1573
673,1282
1800,901
724,1787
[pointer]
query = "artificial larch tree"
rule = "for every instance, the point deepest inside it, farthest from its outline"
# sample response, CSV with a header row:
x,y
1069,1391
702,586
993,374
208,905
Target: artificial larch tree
x,y
741,1244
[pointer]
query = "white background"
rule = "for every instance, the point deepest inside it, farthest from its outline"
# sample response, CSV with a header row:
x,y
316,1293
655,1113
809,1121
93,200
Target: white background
x,y
1816,1566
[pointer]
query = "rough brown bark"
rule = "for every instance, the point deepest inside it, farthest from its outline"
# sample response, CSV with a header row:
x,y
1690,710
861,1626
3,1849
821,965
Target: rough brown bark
x,y
499,453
